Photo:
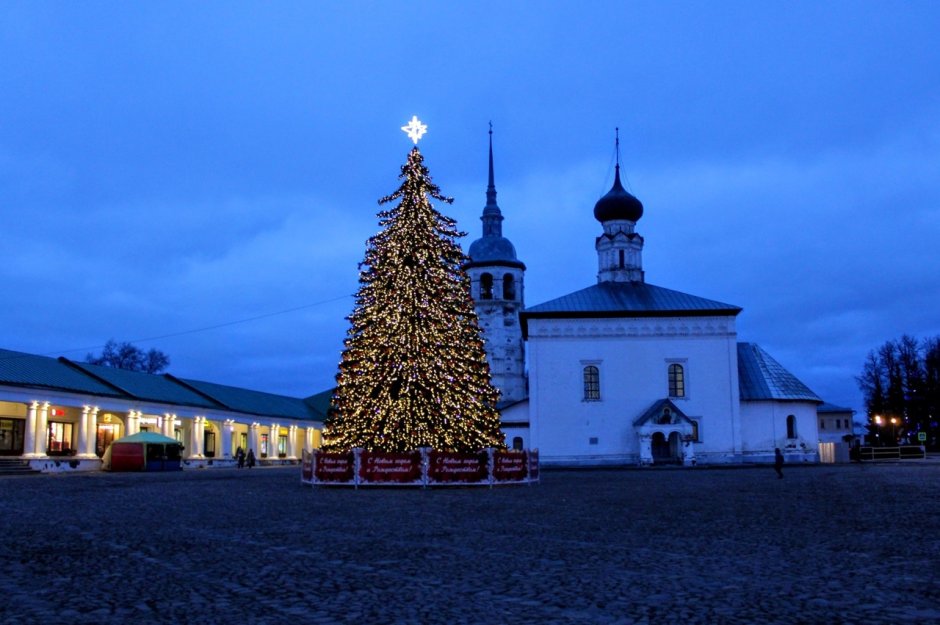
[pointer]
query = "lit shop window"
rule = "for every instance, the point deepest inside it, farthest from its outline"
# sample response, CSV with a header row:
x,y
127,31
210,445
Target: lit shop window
x,y
60,438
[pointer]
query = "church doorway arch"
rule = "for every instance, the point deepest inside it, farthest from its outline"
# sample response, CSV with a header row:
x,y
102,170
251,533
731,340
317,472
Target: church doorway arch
x,y
665,450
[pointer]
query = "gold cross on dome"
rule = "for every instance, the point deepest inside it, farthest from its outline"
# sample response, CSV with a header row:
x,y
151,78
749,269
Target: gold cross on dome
x,y
415,129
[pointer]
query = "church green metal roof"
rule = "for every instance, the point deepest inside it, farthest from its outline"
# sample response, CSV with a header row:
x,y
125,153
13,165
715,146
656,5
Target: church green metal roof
x,y
760,377
628,299
20,369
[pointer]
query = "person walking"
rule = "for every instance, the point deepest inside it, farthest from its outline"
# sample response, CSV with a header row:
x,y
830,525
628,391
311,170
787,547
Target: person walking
x,y
251,458
240,456
778,463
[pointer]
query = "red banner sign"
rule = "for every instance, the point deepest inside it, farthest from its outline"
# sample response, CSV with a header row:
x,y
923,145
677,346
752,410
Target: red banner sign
x,y
389,467
306,467
509,466
533,465
333,467
453,467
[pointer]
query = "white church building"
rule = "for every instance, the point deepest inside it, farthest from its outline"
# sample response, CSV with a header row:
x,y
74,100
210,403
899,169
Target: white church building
x,y
626,372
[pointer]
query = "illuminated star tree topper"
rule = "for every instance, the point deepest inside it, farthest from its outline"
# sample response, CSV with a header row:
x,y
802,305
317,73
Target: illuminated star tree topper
x,y
415,129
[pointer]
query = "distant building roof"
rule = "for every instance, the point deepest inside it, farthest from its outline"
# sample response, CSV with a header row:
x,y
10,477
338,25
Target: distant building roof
x,y
760,377
832,408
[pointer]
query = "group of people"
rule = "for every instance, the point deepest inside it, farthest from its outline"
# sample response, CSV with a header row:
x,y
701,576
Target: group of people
x,y
244,459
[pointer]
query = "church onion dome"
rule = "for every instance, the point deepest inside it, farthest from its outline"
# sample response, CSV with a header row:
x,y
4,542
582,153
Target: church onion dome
x,y
618,204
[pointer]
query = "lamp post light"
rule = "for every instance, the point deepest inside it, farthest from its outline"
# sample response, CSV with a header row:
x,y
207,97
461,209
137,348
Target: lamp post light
x,y
894,430
878,421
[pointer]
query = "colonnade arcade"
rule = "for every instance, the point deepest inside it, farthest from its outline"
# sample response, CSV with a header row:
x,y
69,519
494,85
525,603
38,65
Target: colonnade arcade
x,y
41,429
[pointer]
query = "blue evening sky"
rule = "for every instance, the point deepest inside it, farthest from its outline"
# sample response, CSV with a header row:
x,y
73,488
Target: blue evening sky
x,y
173,166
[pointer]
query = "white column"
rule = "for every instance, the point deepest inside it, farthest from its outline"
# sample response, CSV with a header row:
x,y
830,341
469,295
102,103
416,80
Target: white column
x,y
228,429
202,436
42,430
308,439
167,426
29,435
83,432
254,439
292,442
133,423
274,433
92,432
195,440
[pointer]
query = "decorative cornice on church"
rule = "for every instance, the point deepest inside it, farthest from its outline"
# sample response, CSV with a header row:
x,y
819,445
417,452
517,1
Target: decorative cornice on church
x,y
676,326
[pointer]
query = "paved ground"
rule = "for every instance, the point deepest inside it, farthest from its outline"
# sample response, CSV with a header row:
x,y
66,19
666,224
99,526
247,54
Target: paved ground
x,y
827,544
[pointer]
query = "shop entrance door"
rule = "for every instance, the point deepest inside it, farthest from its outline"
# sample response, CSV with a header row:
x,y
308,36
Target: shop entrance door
x,y
11,437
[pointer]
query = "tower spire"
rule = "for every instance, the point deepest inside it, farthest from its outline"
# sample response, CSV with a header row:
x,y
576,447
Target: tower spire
x,y
492,217
491,187
617,152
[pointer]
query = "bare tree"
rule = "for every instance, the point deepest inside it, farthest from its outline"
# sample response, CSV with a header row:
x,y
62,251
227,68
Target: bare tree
x,y
127,356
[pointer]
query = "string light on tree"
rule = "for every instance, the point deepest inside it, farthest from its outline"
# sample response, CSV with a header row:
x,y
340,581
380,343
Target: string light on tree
x,y
414,371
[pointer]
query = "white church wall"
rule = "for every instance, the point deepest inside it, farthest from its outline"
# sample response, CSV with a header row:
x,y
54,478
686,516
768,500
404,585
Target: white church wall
x,y
633,356
764,428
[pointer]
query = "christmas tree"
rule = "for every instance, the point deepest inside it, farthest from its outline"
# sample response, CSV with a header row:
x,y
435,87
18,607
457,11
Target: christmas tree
x,y
414,371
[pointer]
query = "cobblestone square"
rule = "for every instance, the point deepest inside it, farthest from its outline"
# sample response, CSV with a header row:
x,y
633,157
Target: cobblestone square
x,y
827,544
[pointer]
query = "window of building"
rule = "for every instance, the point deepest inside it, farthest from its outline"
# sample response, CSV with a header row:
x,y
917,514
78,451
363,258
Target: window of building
x,y
592,440
59,441
243,441
264,445
517,443
822,424
676,380
621,259
281,446
486,286
695,431
791,426
592,383
509,287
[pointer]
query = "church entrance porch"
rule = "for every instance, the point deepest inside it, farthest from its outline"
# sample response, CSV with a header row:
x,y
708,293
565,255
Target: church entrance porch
x,y
666,435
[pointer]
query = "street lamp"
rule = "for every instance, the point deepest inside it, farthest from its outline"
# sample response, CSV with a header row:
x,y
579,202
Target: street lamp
x,y
894,430
878,421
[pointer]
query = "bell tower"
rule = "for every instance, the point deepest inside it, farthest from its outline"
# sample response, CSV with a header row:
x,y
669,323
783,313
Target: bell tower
x,y
496,282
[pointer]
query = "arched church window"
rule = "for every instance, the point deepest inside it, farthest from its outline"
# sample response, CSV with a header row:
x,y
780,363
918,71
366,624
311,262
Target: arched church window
x,y
486,286
676,380
592,383
621,259
517,443
509,287
791,426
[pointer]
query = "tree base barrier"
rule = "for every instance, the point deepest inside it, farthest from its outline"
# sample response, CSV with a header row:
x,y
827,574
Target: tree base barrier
x,y
420,468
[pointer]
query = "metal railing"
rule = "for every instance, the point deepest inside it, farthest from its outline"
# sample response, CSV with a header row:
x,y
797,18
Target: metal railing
x,y
903,452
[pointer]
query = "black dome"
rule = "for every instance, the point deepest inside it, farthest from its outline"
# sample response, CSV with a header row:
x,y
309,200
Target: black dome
x,y
618,204
492,249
